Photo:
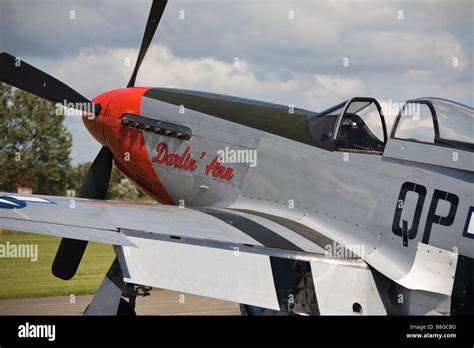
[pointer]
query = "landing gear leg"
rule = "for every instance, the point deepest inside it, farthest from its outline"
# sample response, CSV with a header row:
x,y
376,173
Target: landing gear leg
x,y
107,300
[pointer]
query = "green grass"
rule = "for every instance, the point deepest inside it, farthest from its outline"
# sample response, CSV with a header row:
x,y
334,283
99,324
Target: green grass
x,y
22,278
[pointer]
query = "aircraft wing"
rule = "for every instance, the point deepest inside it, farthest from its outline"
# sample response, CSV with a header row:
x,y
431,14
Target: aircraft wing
x,y
232,254
107,222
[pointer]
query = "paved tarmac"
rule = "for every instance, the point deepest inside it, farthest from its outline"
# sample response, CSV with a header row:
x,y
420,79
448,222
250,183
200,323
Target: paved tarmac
x,y
160,302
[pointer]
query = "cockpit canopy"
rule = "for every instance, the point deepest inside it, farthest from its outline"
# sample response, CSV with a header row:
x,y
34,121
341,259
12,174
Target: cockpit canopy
x,y
358,125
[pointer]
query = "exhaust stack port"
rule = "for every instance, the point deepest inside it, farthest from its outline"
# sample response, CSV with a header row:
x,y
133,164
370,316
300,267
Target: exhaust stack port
x,y
155,126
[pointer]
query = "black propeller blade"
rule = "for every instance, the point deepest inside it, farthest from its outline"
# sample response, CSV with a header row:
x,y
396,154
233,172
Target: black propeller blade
x,y
154,18
24,76
94,186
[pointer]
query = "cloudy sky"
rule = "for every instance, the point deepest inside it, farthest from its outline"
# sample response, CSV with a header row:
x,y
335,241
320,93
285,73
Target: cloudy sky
x,y
311,54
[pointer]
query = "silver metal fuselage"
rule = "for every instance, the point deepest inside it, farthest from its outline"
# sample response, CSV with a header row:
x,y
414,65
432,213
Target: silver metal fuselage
x,y
354,191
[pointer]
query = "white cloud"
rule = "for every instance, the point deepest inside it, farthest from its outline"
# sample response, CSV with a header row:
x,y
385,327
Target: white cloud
x,y
97,71
337,86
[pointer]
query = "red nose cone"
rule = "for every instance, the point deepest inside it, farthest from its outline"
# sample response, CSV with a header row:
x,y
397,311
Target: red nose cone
x,y
95,123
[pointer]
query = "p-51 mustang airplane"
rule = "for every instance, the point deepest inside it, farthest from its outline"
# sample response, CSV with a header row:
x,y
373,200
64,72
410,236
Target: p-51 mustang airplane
x,y
334,216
